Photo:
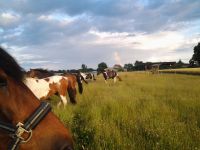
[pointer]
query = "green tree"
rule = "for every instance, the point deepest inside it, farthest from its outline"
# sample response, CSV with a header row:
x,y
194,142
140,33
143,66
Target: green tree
x,y
196,56
84,68
129,67
179,64
139,65
101,67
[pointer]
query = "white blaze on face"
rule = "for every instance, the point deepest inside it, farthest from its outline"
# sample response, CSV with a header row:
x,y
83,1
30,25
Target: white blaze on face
x,y
40,87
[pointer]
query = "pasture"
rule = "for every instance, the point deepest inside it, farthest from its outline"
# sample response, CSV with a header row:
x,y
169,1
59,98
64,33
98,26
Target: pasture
x,y
190,71
144,111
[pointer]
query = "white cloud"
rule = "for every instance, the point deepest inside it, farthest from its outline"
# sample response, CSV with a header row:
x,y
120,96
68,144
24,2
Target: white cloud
x,y
8,18
117,58
157,46
168,40
61,18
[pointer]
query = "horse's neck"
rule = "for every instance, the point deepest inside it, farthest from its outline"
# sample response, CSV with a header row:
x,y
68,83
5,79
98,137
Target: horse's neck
x,y
105,74
83,75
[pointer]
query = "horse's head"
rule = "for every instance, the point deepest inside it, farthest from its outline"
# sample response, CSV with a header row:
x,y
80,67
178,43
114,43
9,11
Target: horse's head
x,y
17,104
80,85
31,73
99,72
38,73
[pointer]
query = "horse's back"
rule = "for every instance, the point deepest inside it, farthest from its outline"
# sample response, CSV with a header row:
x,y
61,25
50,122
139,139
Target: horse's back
x,y
41,87
55,79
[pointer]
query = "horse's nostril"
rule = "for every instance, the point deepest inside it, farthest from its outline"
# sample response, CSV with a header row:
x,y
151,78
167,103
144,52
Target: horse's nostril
x,y
67,147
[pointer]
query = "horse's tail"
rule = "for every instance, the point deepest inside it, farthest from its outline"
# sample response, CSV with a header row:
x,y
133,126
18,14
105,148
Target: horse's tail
x,y
119,78
80,85
72,95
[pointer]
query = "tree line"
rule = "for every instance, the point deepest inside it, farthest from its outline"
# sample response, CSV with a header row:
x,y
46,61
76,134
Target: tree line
x,y
194,62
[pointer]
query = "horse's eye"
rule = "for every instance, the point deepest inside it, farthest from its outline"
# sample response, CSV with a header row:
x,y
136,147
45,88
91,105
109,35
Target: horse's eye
x,y
3,82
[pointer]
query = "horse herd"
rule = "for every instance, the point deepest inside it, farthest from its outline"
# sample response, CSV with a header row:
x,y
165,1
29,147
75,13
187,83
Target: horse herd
x,y
27,123
44,84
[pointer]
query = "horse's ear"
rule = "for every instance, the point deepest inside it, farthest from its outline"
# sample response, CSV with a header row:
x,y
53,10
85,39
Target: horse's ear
x,y
3,78
3,74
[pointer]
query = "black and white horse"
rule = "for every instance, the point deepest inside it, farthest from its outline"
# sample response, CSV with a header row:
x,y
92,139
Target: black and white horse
x,y
88,76
110,74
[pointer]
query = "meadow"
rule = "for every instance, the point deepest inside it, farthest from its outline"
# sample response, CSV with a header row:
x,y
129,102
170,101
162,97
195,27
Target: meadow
x,y
191,71
144,111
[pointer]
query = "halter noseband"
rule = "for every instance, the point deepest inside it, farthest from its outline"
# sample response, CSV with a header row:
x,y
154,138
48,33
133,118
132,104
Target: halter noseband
x,y
29,124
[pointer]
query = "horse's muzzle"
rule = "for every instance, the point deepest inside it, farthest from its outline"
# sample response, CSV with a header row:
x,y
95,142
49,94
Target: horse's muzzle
x,y
67,147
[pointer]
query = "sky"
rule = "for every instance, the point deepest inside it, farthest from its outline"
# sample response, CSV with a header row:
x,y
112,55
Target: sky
x,y
64,34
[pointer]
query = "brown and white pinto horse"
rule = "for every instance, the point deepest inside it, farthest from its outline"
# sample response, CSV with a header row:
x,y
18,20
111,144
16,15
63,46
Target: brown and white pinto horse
x,y
110,74
87,76
47,87
72,78
59,88
17,105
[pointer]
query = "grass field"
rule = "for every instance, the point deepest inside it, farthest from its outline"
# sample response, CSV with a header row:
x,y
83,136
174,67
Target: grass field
x,y
190,71
144,111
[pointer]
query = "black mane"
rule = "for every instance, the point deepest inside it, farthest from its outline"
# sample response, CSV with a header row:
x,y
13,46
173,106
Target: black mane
x,y
9,65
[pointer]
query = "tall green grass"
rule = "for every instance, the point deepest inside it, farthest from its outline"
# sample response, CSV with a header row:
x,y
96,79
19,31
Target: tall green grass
x,y
144,111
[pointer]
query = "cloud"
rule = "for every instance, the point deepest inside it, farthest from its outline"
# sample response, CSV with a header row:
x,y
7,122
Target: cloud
x,y
9,19
117,58
65,34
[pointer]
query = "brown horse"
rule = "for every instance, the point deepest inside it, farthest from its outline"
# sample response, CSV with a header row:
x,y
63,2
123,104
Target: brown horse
x,y
39,73
25,122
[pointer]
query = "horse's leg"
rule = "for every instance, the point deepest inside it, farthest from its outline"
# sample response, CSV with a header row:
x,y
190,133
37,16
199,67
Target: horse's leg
x,y
119,78
62,90
63,100
106,81
59,104
115,79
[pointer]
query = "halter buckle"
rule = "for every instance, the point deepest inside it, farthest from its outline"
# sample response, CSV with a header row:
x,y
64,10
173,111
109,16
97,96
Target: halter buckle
x,y
20,131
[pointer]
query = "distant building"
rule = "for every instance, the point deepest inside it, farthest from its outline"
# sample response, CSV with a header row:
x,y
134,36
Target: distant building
x,y
139,65
162,65
118,67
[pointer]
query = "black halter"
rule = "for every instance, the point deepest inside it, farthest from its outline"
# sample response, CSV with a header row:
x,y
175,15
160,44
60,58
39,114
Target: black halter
x,y
29,124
